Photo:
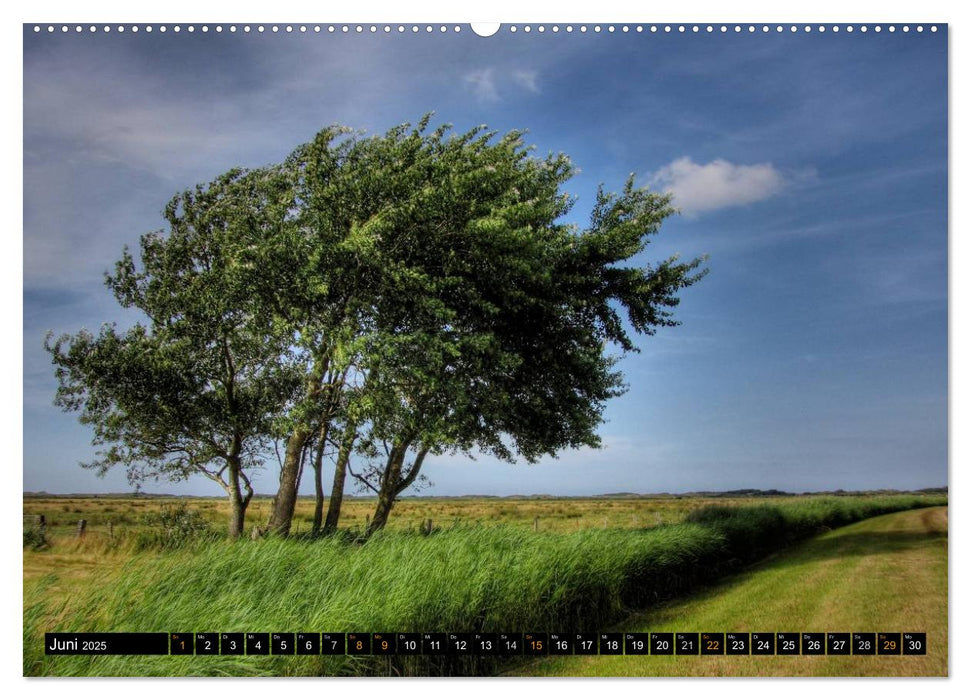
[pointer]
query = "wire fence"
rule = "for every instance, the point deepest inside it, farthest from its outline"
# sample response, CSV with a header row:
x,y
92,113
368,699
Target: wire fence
x,y
44,527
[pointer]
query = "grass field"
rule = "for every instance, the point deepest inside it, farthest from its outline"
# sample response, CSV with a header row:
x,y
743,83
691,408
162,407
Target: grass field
x,y
71,559
471,577
883,574
555,514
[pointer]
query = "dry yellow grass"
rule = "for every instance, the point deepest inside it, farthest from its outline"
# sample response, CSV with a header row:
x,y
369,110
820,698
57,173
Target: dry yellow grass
x,y
555,514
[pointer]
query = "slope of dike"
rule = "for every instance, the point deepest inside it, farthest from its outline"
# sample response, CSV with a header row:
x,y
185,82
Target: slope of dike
x,y
883,574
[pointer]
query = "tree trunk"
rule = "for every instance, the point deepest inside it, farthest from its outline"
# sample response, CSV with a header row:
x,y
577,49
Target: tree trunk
x,y
286,497
237,500
386,498
318,483
392,484
340,473
303,463
237,514
285,501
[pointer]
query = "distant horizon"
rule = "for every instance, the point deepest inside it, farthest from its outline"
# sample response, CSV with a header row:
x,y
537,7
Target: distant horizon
x,y
607,494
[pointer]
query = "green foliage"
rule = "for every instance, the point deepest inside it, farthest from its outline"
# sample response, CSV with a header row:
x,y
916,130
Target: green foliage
x,y
488,318
170,397
461,579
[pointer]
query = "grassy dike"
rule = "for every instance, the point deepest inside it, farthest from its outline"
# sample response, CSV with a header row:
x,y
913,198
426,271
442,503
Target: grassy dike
x,y
462,579
887,573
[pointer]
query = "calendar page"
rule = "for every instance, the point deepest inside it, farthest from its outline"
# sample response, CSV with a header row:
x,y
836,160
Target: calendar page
x,y
519,349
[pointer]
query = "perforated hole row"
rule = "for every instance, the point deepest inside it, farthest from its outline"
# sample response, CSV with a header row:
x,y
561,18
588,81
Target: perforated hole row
x,y
442,29
251,28
720,28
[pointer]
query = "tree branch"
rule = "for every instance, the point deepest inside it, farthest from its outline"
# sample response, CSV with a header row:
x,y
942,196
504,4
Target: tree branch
x,y
361,478
412,474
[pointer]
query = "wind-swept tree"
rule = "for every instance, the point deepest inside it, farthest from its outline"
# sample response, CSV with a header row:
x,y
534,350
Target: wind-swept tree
x,y
488,320
195,386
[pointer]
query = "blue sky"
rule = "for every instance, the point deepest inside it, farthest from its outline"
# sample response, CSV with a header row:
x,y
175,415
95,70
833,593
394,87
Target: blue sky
x,y
812,168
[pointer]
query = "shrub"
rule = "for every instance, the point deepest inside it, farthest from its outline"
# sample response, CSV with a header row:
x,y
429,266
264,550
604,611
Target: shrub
x,y
34,537
173,528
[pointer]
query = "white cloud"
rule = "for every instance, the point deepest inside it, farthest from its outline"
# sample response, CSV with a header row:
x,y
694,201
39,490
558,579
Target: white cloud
x,y
718,184
526,79
483,84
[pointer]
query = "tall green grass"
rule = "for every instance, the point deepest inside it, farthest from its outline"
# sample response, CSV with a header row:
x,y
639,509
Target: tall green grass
x,y
462,579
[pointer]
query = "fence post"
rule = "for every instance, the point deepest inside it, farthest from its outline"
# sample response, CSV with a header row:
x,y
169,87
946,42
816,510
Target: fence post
x,y
42,526
111,530
536,524
82,528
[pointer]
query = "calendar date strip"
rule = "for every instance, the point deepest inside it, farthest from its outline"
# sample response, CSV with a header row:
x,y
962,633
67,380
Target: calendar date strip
x,y
487,644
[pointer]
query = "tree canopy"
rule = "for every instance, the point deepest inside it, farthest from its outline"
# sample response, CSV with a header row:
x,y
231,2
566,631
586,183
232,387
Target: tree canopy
x,y
196,387
411,293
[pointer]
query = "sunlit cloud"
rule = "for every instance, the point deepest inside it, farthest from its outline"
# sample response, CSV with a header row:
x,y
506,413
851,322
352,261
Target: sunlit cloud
x,y
703,187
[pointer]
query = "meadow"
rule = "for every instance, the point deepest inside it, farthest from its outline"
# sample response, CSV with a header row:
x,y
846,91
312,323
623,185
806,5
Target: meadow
x,y
126,513
486,572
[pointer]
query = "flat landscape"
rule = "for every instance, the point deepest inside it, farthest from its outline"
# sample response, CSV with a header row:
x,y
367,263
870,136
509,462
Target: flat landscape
x,y
874,562
127,513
